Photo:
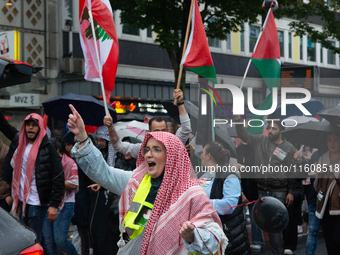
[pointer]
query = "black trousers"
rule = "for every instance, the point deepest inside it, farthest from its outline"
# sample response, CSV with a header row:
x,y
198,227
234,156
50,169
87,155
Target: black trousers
x,y
290,233
331,231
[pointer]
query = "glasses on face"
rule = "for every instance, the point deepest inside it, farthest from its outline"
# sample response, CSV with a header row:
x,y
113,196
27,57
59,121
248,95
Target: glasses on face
x,y
154,151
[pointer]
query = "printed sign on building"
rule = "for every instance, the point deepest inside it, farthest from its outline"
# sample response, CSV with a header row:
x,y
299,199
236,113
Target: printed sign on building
x,y
9,44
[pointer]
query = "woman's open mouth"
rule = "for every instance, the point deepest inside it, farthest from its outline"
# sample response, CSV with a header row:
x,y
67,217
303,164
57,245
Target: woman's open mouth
x,y
151,165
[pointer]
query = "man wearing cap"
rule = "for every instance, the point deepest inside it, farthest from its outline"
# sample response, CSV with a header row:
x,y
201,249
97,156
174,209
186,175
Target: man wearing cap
x,y
34,171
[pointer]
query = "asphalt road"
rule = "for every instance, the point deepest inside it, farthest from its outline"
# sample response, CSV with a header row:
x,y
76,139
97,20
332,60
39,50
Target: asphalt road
x,y
301,249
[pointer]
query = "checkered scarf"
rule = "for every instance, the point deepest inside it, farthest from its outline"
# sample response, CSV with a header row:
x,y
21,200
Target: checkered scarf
x,y
179,199
18,158
103,132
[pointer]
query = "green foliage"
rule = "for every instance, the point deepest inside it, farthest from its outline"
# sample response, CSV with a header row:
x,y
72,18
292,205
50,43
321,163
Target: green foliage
x,y
318,9
168,19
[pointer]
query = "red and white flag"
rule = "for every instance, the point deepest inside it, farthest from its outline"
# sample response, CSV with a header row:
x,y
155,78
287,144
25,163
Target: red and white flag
x,y
106,39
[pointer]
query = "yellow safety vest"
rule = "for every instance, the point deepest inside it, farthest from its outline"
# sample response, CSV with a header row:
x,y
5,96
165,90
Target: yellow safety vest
x,y
137,204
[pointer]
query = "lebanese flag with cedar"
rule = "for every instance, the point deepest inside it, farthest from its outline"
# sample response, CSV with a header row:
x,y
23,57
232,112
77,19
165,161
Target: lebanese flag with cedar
x,y
197,57
107,43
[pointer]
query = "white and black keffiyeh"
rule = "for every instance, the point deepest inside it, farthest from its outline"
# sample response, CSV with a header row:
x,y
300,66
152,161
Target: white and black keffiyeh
x,y
103,132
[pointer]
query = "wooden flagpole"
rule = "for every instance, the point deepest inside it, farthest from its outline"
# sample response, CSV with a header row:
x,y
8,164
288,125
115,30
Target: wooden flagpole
x,y
184,48
98,61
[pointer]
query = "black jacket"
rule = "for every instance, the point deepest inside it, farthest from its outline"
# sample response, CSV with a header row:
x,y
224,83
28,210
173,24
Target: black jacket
x,y
49,173
234,225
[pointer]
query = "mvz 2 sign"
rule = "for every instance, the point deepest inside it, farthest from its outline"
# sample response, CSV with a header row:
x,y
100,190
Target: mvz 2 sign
x,y
24,100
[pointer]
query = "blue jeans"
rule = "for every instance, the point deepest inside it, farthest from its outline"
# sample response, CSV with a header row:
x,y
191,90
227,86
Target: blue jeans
x,y
55,234
256,232
313,230
275,239
34,218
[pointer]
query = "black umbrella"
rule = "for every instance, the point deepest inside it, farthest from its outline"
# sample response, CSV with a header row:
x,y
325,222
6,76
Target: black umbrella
x,y
91,110
313,106
332,114
222,135
14,72
311,133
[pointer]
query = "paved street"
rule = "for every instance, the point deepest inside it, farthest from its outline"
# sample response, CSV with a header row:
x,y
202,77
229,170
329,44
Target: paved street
x,y
301,249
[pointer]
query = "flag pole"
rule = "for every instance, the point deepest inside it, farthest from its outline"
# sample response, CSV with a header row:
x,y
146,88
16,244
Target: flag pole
x,y
257,41
184,48
245,74
98,61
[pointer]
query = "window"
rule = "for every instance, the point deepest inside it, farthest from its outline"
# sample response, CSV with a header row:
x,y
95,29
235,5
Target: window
x,y
301,48
330,3
214,42
241,41
281,41
311,51
290,39
130,30
253,34
331,55
321,53
149,32
228,41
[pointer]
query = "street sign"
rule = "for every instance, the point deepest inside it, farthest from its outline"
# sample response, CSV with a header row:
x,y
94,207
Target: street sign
x,y
24,100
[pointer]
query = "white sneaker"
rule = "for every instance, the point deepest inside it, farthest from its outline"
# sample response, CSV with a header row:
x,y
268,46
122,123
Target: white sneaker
x,y
288,251
255,247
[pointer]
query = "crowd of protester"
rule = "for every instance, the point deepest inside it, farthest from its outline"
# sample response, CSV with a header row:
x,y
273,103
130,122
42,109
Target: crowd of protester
x,y
128,196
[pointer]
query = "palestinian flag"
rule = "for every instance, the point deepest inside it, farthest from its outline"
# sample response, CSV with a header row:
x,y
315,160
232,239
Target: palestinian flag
x,y
106,40
197,57
267,60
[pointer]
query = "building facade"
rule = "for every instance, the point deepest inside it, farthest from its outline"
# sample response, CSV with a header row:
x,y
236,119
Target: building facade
x,y
48,35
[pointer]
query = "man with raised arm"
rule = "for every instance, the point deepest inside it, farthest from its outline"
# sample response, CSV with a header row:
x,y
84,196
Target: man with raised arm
x,y
155,124
34,171
272,151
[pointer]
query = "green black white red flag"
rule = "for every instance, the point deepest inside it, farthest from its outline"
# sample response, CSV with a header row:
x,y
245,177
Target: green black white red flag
x,y
106,40
267,60
197,58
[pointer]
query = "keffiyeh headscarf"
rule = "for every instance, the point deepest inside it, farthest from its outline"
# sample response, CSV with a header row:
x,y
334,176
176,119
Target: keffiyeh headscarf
x,y
180,198
103,132
18,158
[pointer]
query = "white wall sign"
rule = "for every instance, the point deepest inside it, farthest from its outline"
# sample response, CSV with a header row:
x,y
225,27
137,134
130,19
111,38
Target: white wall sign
x,y
24,100
9,44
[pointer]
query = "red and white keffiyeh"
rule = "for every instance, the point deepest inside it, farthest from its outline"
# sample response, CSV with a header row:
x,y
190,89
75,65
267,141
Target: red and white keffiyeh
x,y
71,176
180,198
18,158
